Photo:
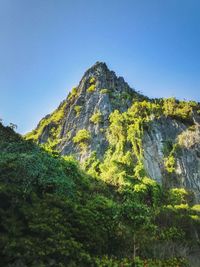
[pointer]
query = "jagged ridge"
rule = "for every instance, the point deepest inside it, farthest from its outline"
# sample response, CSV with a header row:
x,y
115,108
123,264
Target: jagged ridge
x,y
100,91
82,126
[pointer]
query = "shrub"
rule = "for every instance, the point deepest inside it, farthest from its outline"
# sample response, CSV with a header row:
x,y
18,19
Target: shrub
x,y
178,109
81,136
96,117
104,91
178,196
170,159
92,80
170,164
52,120
78,110
91,88
73,93
196,208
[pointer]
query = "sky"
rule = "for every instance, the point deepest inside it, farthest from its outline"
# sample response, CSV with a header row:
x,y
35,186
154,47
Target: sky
x,y
47,45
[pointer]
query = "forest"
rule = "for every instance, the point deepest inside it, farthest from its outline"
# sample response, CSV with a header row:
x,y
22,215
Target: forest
x,y
57,212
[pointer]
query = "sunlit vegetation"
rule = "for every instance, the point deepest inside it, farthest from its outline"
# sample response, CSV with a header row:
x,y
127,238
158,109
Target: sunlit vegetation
x,y
178,109
92,80
126,131
178,196
92,85
104,91
96,117
53,213
107,212
54,120
73,93
82,138
91,88
78,110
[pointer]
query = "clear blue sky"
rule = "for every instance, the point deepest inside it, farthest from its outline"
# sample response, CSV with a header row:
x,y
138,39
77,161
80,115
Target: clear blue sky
x,y
46,45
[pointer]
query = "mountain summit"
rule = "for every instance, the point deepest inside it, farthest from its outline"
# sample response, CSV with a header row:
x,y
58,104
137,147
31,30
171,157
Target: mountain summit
x,y
115,132
87,108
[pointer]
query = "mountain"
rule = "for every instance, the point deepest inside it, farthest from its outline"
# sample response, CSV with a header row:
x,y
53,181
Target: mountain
x,y
54,214
88,106
110,178
104,120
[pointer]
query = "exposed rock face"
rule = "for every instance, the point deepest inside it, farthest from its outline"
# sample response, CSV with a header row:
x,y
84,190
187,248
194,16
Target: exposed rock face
x,y
187,158
101,92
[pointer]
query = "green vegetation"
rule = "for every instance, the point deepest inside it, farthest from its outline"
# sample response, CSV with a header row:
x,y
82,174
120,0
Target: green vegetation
x,y
92,80
167,147
125,153
178,196
51,121
73,93
107,212
91,88
91,165
170,159
96,117
170,163
92,85
82,138
178,109
126,131
104,91
78,110
54,214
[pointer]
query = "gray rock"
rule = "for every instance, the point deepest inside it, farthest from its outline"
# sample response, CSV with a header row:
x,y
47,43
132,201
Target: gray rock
x,y
118,95
187,165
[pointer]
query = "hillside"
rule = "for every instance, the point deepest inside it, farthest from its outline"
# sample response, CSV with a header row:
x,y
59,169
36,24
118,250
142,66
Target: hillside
x,y
87,106
110,178
54,214
106,124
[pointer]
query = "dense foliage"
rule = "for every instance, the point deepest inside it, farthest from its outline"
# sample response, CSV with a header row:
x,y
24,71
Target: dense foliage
x,y
53,214
96,117
111,214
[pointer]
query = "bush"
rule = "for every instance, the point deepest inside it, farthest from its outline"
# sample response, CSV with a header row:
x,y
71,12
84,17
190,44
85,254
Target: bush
x,y
78,110
104,91
178,109
91,88
178,196
170,164
96,117
81,136
73,93
92,80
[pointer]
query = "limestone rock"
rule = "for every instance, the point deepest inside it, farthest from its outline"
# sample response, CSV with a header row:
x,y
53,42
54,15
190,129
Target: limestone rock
x,y
88,107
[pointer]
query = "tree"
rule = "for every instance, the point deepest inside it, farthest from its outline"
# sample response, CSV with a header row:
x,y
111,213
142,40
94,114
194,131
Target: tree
x,y
137,218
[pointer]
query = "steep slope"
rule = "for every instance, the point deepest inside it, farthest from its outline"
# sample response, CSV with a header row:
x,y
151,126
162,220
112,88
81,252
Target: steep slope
x,y
104,121
172,154
53,214
88,107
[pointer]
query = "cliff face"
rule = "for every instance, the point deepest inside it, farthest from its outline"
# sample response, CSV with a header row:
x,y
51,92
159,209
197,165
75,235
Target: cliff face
x,y
99,93
171,147
186,171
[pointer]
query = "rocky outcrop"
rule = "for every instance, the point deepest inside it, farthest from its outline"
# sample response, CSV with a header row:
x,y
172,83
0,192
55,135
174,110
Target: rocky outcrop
x,y
169,132
100,92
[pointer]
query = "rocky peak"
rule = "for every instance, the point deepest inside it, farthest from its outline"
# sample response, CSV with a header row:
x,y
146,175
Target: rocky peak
x,y
78,127
103,78
87,108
